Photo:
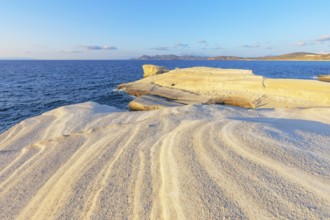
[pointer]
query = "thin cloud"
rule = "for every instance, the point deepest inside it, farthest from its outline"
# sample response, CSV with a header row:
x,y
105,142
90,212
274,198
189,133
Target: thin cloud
x,y
70,51
27,52
41,46
251,46
96,47
202,42
323,52
76,51
301,44
160,48
324,38
217,47
109,48
182,45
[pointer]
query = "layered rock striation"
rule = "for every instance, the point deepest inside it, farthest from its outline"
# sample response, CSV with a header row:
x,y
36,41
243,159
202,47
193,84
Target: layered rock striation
x,y
88,161
204,85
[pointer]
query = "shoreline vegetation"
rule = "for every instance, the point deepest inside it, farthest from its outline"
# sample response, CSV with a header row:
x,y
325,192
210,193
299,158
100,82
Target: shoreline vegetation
x,y
189,158
298,56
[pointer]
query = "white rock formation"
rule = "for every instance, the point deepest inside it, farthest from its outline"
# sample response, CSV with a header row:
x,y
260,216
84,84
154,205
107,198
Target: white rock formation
x,y
88,161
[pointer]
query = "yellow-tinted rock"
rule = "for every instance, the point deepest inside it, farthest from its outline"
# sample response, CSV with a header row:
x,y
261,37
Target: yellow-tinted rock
x,y
151,102
232,87
151,70
325,78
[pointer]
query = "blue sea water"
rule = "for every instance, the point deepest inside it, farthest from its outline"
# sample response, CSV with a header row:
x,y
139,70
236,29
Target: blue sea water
x,y
29,88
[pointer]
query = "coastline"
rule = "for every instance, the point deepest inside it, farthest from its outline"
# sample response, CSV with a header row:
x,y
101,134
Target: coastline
x,y
196,160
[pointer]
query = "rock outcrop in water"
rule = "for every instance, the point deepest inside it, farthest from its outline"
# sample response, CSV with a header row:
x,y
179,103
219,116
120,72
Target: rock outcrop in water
x,y
204,85
151,70
325,78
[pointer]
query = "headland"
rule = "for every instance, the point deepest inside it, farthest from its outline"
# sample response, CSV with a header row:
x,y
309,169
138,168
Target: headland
x,y
191,158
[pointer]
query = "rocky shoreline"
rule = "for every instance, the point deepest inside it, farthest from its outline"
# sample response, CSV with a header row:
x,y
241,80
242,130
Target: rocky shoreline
x,y
189,159
204,85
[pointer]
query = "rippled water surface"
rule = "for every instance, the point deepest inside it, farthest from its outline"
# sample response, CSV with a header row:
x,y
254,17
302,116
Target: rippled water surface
x,y
29,88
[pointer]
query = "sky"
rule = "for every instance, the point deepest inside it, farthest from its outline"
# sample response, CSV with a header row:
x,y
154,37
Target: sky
x,y
124,29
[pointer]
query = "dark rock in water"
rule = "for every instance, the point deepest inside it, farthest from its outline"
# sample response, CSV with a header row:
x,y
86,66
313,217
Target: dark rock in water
x,y
324,78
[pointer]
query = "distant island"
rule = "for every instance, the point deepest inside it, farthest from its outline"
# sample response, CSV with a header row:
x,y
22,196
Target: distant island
x,y
299,56
171,57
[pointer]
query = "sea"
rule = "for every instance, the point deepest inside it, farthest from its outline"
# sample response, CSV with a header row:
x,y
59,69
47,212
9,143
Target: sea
x,y
29,88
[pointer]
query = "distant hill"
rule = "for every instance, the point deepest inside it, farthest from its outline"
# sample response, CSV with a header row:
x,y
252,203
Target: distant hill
x,y
226,58
171,57
290,56
297,56
16,58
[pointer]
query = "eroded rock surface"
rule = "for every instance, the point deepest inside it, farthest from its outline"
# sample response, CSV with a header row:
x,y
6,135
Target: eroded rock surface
x,y
325,78
204,85
89,161
151,70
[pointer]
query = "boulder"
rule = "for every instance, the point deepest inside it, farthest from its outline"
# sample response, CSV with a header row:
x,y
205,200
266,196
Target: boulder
x,y
151,102
324,78
151,70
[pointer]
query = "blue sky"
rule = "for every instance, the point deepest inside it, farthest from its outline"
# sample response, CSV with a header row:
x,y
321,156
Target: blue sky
x,y
122,29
